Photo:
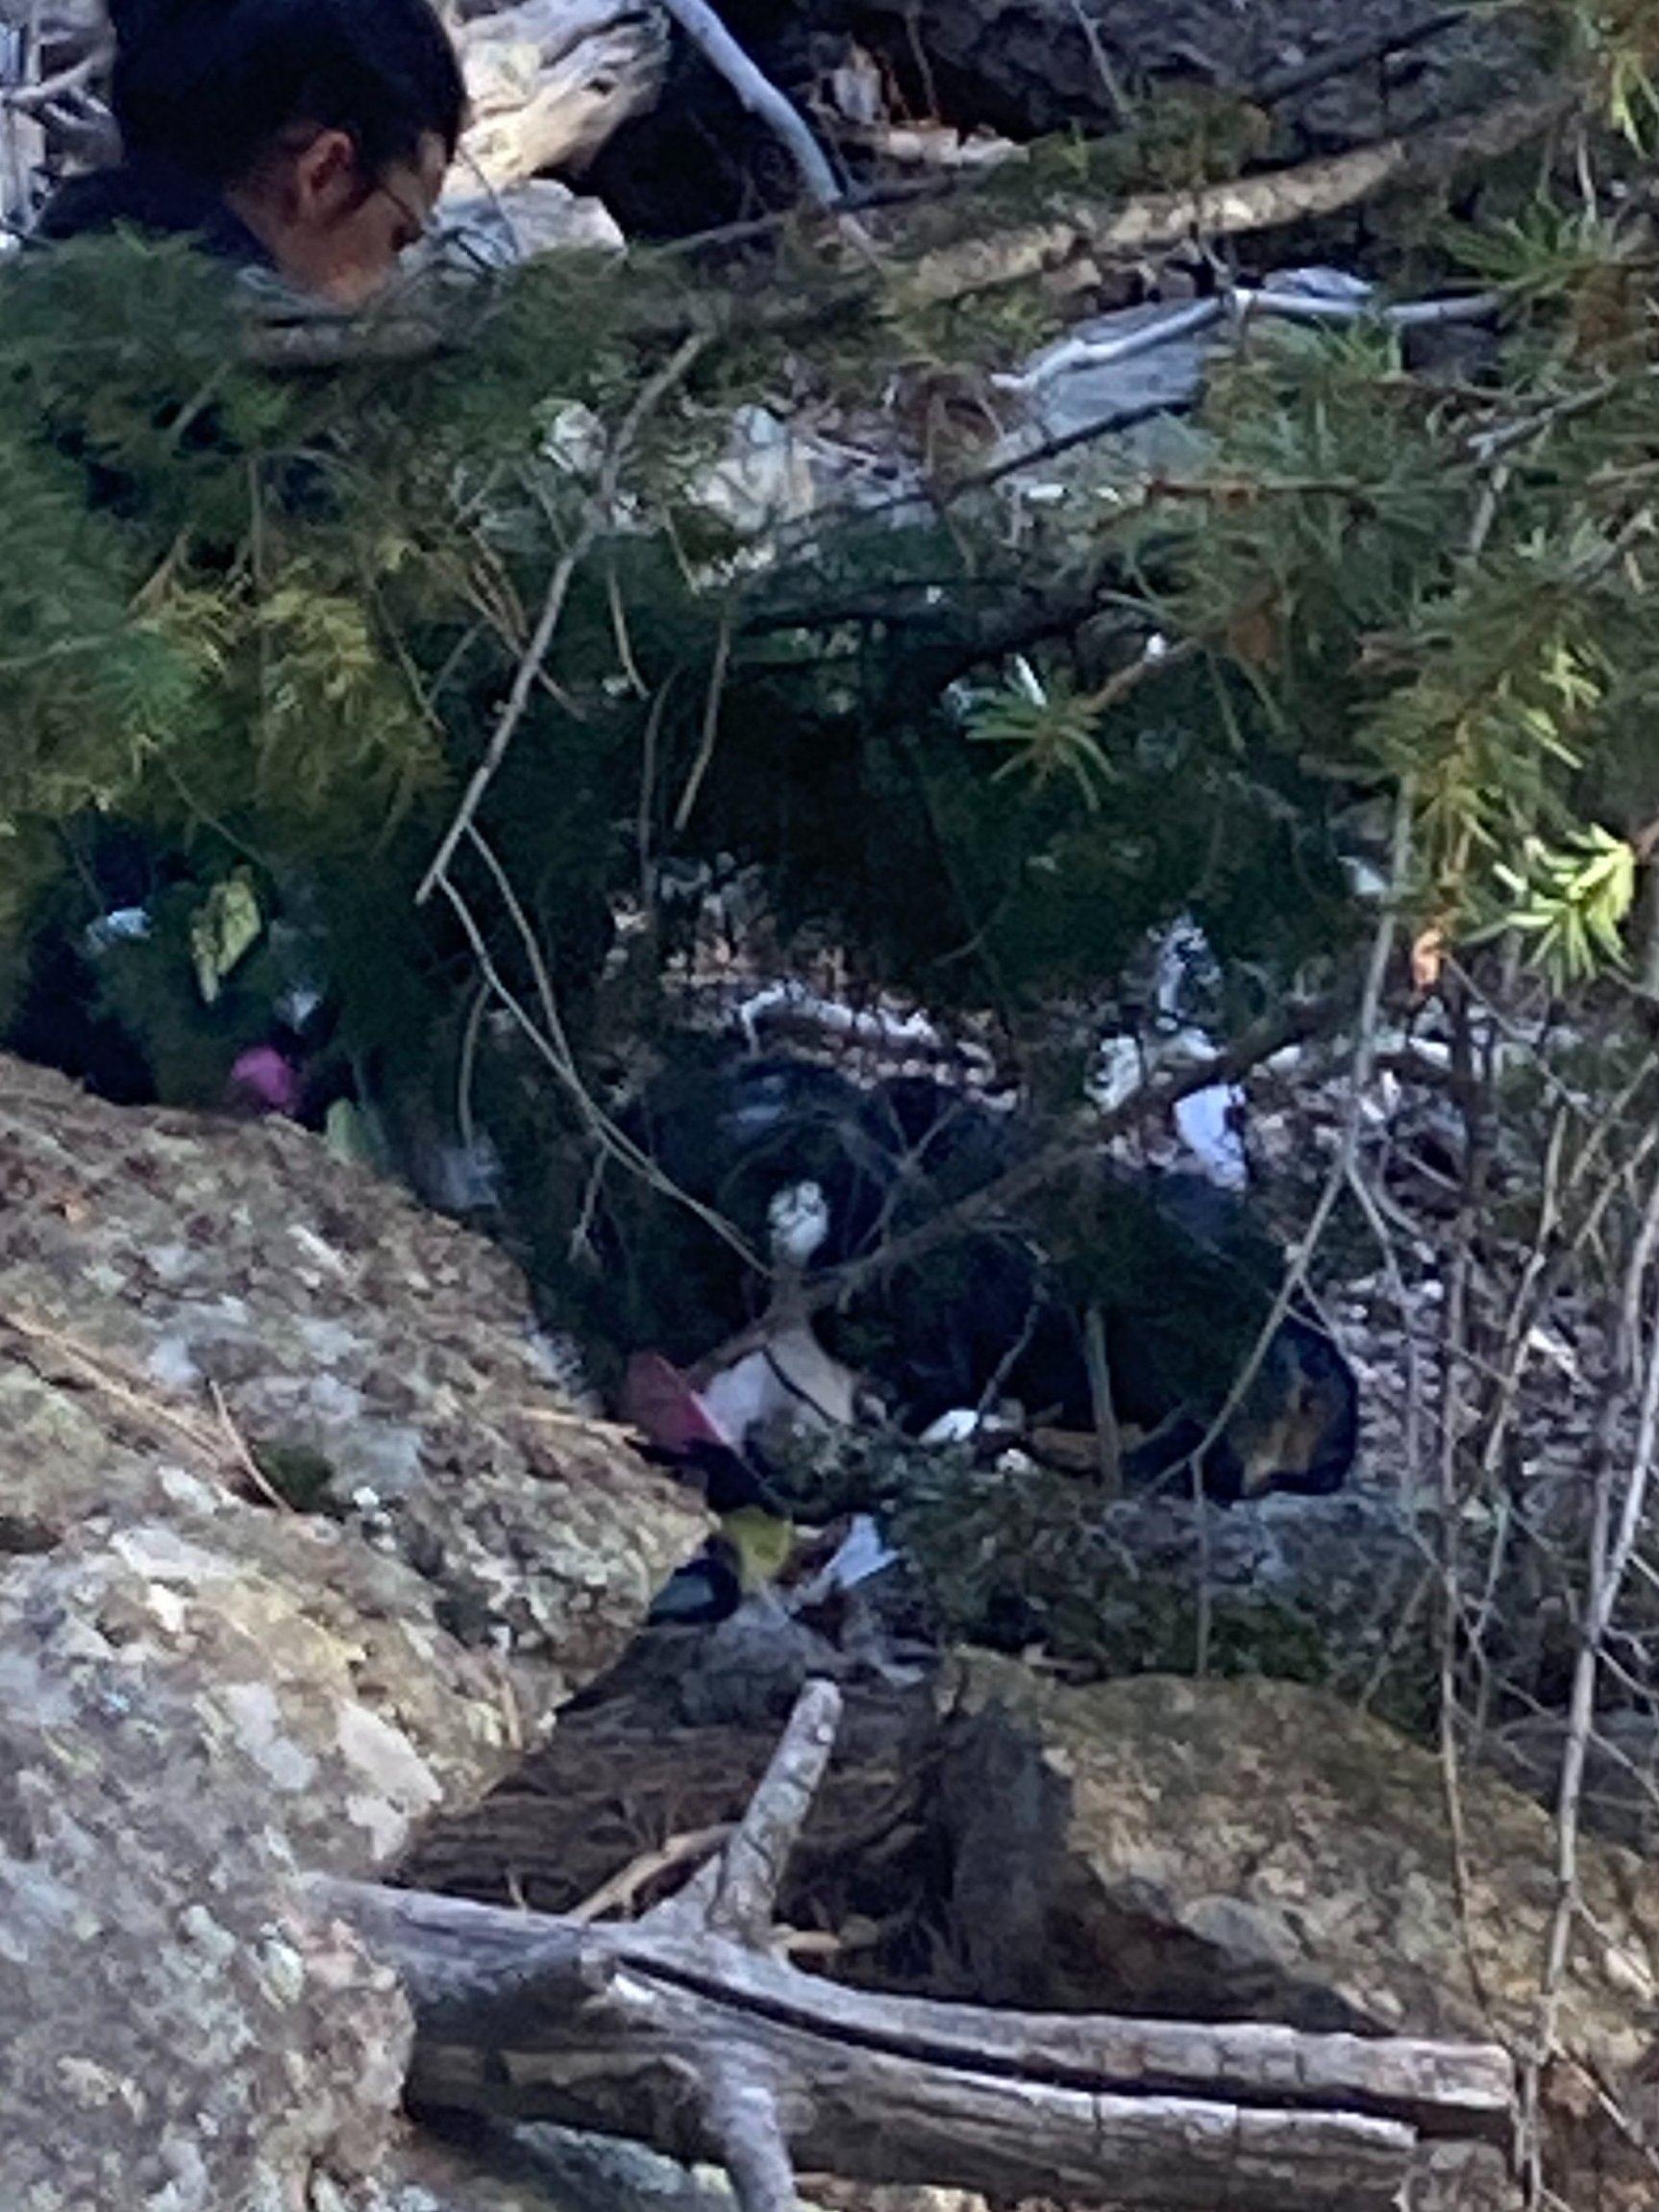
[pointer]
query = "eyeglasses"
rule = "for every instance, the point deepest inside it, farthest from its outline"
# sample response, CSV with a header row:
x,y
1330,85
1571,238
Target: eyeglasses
x,y
417,222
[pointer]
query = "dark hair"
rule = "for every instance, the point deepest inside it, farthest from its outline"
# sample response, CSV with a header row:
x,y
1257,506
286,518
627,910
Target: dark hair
x,y
209,86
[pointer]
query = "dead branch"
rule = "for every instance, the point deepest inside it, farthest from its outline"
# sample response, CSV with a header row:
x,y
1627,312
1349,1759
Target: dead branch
x,y
709,2045
1074,1151
57,1356
624,1886
758,94
750,1868
1260,203
1353,54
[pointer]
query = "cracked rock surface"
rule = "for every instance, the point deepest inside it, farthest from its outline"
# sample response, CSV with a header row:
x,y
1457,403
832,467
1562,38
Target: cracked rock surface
x,y
207,1694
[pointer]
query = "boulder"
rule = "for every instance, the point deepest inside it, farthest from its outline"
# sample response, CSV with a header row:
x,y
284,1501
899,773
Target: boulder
x,y
1256,1849
181,1296
205,1691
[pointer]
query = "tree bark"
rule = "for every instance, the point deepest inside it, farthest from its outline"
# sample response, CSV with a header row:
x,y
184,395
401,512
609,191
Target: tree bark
x,y
684,2029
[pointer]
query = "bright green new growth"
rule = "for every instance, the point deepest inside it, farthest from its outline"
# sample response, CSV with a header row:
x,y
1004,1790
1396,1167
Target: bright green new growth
x,y
279,617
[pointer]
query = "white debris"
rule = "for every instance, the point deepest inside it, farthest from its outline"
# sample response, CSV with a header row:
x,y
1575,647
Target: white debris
x,y
959,1426
862,1554
1207,1123
799,1221
792,1000
790,1381
122,925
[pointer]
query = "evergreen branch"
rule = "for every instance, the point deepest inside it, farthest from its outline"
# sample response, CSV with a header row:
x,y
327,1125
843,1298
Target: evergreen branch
x,y
596,521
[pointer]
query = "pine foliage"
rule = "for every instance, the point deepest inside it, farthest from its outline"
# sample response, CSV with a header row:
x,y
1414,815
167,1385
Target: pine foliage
x,y
279,617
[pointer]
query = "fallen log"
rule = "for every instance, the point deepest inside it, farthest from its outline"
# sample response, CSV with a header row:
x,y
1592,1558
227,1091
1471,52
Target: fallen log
x,y
685,2029
1268,200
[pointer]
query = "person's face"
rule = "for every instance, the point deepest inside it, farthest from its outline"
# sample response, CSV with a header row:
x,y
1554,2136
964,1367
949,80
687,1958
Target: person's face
x,y
332,229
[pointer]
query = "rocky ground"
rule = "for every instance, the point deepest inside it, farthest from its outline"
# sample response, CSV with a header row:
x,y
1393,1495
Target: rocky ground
x,y
223,1666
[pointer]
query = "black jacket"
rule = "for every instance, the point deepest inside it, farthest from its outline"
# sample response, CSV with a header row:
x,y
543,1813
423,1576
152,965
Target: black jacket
x,y
151,196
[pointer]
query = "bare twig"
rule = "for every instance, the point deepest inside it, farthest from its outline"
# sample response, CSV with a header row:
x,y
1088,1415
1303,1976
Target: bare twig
x,y
30,99
548,1039
1108,1437
45,1345
1361,1076
1353,54
597,519
639,1874
1613,1543
1148,1102
245,1460
711,706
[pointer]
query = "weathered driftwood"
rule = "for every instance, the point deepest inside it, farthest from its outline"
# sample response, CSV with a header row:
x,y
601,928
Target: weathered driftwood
x,y
550,80
685,2029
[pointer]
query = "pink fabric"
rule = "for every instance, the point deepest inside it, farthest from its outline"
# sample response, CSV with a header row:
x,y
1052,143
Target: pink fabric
x,y
261,1079
663,1406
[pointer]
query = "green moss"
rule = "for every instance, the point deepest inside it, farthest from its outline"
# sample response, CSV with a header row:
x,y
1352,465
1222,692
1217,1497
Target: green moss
x,y
301,1476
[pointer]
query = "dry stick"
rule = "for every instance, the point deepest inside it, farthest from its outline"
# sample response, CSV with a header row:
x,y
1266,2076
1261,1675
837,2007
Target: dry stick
x,y
1368,1202
554,1045
1528,1302
745,1899
595,522
1068,1153
1361,1073
649,901
624,1886
1610,1557
1456,1357
518,698
1340,60
1544,1268
244,1450
705,760
43,1342
1108,1437
466,1126
30,98
553,1051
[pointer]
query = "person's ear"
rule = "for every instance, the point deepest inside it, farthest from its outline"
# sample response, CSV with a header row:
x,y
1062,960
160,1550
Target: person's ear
x,y
325,179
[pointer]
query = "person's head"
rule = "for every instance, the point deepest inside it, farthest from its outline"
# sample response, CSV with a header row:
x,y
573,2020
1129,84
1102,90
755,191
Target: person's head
x,y
327,125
